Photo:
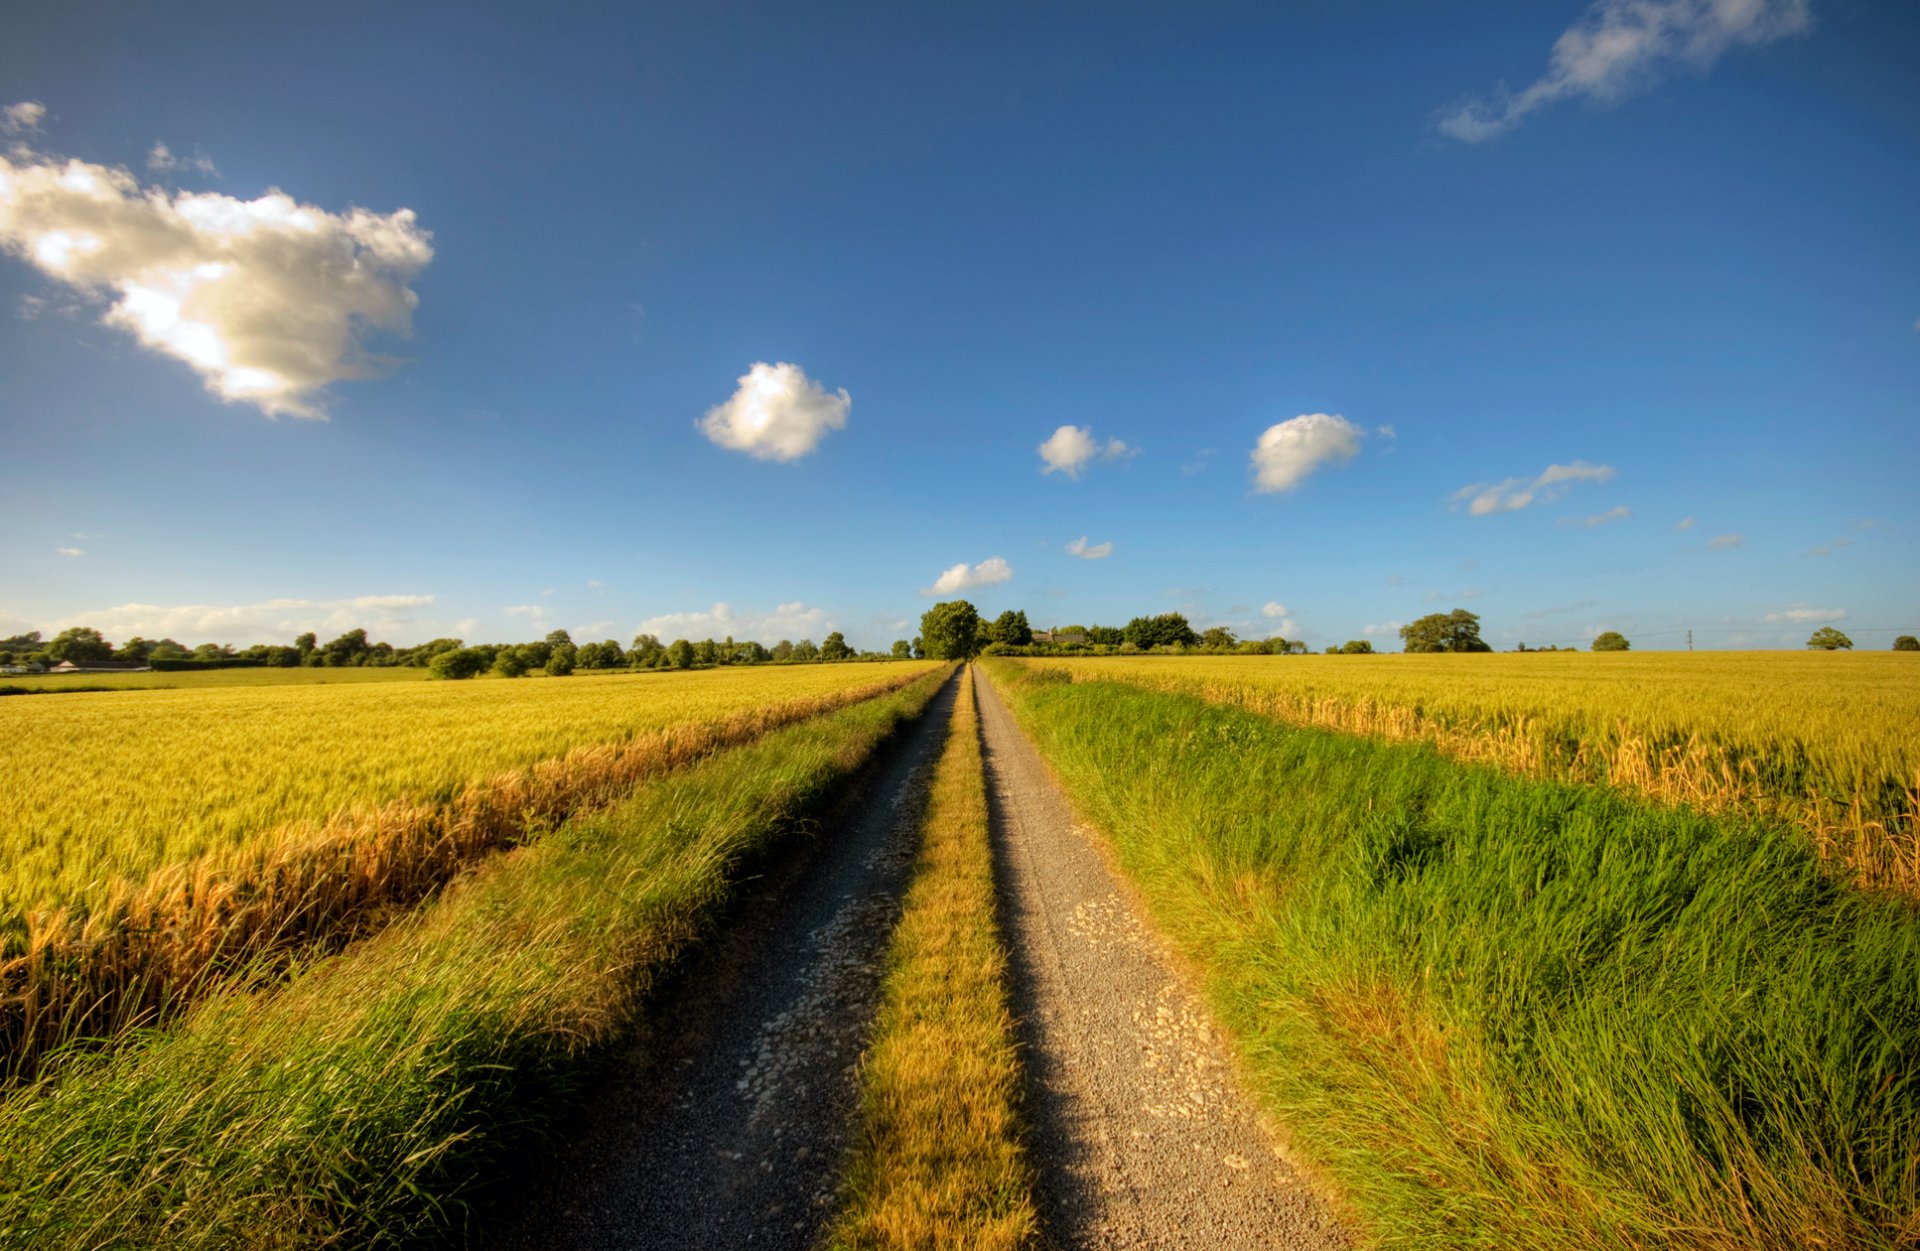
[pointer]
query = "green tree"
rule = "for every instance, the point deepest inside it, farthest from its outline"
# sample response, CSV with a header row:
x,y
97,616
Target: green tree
x,y
135,648
559,638
1456,631
902,650
919,648
783,650
1906,643
83,645
1011,628
561,659
461,662
806,651
951,630
835,648
1828,639
510,662
645,651
1357,647
349,649
706,652
680,654
1611,641
1218,639
1169,629
306,644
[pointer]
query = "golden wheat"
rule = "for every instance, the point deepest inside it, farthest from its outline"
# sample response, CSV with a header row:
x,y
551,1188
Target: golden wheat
x,y
1830,741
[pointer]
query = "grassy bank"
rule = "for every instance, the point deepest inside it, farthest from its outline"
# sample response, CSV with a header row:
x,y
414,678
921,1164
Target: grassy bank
x,y
356,1106
937,1160
1504,1012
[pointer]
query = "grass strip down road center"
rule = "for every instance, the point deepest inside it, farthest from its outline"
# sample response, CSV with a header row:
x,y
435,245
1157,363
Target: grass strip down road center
x,y
356,1106
1503,1012
937,1160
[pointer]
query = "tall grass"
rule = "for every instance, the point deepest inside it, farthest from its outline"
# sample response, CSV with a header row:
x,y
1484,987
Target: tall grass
x,y
937,1160
361,1104
126,955
1828,741
1504,1012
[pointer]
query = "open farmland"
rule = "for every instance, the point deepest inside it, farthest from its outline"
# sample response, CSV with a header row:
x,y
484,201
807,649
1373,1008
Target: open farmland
x,y
1829,741
217,823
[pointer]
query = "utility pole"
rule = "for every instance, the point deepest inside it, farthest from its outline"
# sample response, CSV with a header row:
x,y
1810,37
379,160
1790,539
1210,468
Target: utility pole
x,y
1689,640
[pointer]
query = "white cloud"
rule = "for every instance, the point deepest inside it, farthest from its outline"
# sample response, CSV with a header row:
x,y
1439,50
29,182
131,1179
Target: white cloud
x,y
963,576
1097,551
1279,617
161,160
273,620
1391,629
1619,512
592,630
1685,523
1828,549
1723,542
23,118
1273,608
789,621
1620,47
595,584
70,551
776,413
1801,614
532,612
267,299
1290,450
1510,494
1071,449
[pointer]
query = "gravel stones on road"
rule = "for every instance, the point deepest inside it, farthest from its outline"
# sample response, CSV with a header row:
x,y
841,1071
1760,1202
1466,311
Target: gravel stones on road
x,y
1142,1134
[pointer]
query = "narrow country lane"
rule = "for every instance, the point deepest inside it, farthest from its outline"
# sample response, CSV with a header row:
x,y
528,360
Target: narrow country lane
x,y
1142,1136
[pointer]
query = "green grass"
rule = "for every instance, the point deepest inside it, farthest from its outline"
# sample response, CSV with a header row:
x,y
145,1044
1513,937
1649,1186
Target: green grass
x,y
362,1103
196,679
1511,1013
937,1160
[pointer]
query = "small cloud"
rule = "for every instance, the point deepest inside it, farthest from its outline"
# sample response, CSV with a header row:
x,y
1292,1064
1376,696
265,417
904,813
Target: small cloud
x,y
1869,523
533,612
1070,449
1828,549
1800,614
595,584
591,629
1290,450
71,551
1512,494
1273,608
1621,47
466,627
1280,623
546,591
963,577
1472,592
161,160
776,413
795,620
1080,548
1685,523
1390,629
1394,579
1385,432
1198,464
1619,512
1726,542
23,118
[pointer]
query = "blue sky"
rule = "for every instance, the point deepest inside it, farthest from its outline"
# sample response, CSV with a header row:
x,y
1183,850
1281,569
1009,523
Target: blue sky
x,y
1579,315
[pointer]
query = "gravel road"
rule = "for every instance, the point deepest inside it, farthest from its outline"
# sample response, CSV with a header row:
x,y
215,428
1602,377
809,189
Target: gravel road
x,y
727,1129
1142,1136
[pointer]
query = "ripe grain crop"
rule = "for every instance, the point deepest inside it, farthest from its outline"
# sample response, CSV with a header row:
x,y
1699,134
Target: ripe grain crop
x,y
1508,1012
1828,741
158,837
937,1160
363,1102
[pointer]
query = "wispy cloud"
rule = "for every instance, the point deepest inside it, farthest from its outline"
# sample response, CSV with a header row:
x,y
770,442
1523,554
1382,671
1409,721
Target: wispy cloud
x,y
776,413
1290,450
1085,551
1070,449
1828,549
1801,614
1511,494
963,576
1622,47
1726,542
275,619
161,160
1619,512
794,621
1685,523
70,551
23,118
267,300
1390,629
531,612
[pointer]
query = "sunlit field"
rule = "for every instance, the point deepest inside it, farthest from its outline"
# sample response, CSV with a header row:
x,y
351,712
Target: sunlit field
x,y
1830,740
198,679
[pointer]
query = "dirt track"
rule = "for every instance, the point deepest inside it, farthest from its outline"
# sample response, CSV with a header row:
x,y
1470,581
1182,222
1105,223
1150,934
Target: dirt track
x,y
1142,1136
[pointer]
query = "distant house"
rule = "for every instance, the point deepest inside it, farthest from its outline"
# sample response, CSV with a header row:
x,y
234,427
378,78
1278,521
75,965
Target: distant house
x,y
1064,638
103,666
30,666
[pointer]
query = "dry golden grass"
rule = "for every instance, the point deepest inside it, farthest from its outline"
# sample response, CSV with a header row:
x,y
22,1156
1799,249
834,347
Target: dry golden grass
x,y
1828,741
120,950
937,1160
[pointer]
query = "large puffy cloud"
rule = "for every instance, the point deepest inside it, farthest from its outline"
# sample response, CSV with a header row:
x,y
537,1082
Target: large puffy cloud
x,y
776,413
1512,494
268,300
275,620
1089,551
1290,450
963,576
1070,449
789,621
1622,46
